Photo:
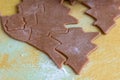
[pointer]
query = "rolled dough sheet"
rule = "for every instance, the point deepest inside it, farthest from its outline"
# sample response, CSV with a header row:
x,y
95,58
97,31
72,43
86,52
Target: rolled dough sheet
x,y
19,61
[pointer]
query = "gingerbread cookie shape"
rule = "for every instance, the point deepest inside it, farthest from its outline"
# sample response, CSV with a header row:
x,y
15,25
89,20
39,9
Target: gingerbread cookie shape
x,y
76,45
105,12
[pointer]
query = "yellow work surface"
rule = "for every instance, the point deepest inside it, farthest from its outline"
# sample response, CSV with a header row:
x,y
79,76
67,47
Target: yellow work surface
x,y
20,61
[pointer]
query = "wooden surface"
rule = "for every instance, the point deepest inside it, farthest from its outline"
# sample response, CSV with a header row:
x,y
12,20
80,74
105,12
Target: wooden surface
x,y
19,61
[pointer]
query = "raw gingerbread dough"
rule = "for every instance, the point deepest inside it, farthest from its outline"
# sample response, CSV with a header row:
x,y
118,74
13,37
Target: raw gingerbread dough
x,y
76,45
104,11
34,22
